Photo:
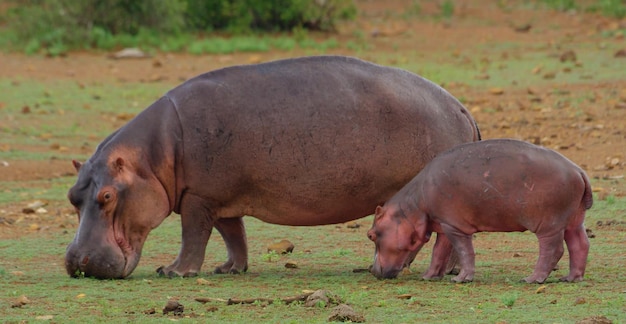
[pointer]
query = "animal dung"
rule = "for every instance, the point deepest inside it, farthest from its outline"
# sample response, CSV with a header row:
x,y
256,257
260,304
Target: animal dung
x,y
174,307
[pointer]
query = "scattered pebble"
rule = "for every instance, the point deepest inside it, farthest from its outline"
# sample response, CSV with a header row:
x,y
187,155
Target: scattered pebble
x,y
20,301
282,247
291,265
129,53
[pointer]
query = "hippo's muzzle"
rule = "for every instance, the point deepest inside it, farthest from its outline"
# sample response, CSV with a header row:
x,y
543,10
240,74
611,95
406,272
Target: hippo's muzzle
x,y
103,263
381,272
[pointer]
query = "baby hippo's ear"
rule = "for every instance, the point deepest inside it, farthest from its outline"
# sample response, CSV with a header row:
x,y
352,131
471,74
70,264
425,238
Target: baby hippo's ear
x,y
76,165
378,212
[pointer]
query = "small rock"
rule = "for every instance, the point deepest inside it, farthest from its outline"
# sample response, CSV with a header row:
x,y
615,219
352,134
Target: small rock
x,y
36,204
568,56
524,28
150,311
404,296
173,306
590,234
129,53
496,91
517,255
345,313
291,265
549,75
26,110
353,225
20,301
282,247
203,282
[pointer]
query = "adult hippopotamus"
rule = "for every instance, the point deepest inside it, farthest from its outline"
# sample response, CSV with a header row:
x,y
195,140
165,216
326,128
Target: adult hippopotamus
x,y
304,141
490,186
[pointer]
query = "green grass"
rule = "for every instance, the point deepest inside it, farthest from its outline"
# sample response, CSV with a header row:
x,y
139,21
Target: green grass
x,y
513,71
495,295
64,114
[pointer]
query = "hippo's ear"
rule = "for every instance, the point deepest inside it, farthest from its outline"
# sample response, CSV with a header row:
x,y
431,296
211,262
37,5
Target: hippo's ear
x,y
119,164
76,165
378,212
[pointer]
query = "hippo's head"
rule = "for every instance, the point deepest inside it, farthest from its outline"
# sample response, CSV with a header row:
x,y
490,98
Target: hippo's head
x,y
398,238
118,201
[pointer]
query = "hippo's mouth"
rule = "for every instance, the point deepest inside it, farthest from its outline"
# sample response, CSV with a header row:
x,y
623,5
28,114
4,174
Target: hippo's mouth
x,y
130,254
381,272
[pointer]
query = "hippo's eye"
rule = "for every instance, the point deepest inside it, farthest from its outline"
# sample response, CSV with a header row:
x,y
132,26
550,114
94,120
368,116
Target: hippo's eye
x,y
106,195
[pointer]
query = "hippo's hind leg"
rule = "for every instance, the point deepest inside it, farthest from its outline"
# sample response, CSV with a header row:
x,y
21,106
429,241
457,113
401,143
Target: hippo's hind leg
x,y
578,249
550,252
197,226
465,249
234,234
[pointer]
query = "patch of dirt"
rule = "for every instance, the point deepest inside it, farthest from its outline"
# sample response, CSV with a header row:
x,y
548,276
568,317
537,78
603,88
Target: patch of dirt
x,y
593,136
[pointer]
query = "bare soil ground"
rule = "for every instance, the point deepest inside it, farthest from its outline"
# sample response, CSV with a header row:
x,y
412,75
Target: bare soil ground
x,y
592,134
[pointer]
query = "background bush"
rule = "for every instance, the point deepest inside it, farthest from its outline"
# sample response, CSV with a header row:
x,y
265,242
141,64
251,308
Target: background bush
x,y
58,25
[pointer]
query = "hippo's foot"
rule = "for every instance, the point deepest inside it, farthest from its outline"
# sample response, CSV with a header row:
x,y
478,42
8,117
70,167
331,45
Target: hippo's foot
x,y
571,278
230,268
165,272
433,274
463,277
534,279
459,279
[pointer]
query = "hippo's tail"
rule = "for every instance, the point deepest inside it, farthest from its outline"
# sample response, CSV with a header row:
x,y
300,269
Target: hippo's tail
x,y
477,137
587,195
473,123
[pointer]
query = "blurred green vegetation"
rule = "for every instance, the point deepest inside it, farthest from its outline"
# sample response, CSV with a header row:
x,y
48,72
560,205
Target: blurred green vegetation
x,y
57,26
54,27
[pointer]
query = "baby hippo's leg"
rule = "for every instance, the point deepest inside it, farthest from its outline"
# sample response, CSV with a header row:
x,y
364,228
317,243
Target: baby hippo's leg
x,y
463,246
578,249
550,252
442,253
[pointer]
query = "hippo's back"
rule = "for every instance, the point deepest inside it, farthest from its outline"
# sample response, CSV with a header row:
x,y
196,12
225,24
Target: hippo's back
x,y
325,138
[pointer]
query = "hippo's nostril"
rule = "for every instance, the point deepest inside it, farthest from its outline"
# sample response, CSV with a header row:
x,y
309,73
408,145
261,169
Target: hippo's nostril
x,y
85,260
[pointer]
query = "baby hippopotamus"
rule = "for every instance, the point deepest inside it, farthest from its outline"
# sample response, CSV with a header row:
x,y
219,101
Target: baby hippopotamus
x,y
499,185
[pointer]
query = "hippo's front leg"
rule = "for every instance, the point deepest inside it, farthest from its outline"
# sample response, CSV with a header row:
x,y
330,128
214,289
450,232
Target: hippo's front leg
x,y
442,256
234,235
197,225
